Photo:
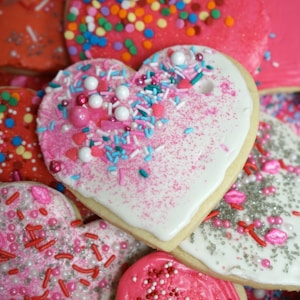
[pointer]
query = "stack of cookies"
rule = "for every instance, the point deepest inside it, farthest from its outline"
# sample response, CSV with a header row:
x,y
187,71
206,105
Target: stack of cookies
x,y
144,153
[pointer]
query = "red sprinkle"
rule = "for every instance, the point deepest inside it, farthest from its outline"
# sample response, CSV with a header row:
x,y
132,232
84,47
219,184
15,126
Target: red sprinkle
x,y
33,243
249,166
47,277
96,272
12,198
30,227
13,271
260,149
43,211
296,213
236,206
85,282
212,215
242,223
20,214
42,297
282,164
64,255
82,270
63,288
7,254
91,236
47,245
76,223
109,261
257,238
96,252
249,228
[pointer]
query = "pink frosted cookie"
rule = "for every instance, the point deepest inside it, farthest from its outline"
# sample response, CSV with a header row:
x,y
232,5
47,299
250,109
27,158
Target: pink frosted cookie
x,y
46,254
252,236
31,37
131,31
160,276
142,148
280,67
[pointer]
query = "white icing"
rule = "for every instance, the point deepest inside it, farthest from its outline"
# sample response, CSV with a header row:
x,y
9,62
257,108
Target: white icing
x,y
227,252
188,167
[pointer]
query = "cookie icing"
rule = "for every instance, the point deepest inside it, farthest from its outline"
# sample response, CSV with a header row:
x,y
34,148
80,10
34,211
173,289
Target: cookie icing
x,y
155,144
45,253
160,276
131,31
256,241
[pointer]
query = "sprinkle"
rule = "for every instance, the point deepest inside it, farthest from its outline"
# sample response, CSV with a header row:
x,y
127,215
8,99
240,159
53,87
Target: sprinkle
x,y
30,227
143,173
63,288
257,238
76,223
31,33
41,5
12,198
20,214
260,149
82,270
64,255
47,245
248,166
211,215
109,261
47,277
296,213
96,272
84,282
96,252
236,206
13,271
43,211
188,130
42,297
33,242
7,254
91,236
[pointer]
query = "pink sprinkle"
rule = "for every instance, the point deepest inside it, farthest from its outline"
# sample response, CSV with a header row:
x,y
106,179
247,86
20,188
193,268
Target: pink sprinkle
x,y
271,167
235,197
40,194
276,237
129,28
265,263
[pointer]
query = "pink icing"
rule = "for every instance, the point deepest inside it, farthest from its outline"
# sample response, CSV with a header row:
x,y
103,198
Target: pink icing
x,y
160,276
47,256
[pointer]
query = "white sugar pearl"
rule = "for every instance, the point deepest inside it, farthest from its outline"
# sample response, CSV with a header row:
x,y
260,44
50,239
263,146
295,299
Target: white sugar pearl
x,y
66,127
122,113
85,154
178,58
122,92
90,83
95,101
259,294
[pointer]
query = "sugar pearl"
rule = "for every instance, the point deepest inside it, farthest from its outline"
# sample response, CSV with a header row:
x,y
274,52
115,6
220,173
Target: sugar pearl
x,y
95,101
85,154
178,58
259,294
90,83
122,113
122,92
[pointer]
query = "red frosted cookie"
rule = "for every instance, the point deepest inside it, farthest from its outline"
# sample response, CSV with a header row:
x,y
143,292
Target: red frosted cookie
x,y
20,154
131,31
160,276
31,37
151,151
46,254
280,68
252,237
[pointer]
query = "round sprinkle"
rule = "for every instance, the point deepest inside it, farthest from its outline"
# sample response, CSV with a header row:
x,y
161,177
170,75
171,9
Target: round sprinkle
x,y
95,101
122,113
85,154
229,21
148,33
178,58
161,23
79,116
122,92
90,83
215,13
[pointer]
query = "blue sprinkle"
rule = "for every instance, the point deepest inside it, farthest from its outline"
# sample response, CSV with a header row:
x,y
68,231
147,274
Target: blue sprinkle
x,y
272,35
72,89
193,18
9,123
143,173
196,78
102,42
116,140
86,67
116,159
85,129
75,177
54,85
86,46
148,158
16,140
109,156
180,5
111,168
109,148
116,153
41,129
148,33
60,187
124,157
79,83
2,157
91,143
267,55
189,130
164,120
51,125
65,112
150,149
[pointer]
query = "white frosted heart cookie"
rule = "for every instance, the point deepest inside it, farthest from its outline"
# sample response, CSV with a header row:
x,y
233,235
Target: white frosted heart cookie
x,y
252,236
45,254
151,151
161,276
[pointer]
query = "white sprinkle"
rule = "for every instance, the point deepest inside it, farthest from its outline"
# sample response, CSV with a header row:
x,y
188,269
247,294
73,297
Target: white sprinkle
x,y
41,5
31,33
181,104
159,148
135,140
134,153
134,279
275,64
109,109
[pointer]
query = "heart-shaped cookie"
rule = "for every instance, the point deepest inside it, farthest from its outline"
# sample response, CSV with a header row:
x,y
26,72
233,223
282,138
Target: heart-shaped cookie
x,y
20,154
45,254
32,36
252,236
151,151
160,276
280,67
131,31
